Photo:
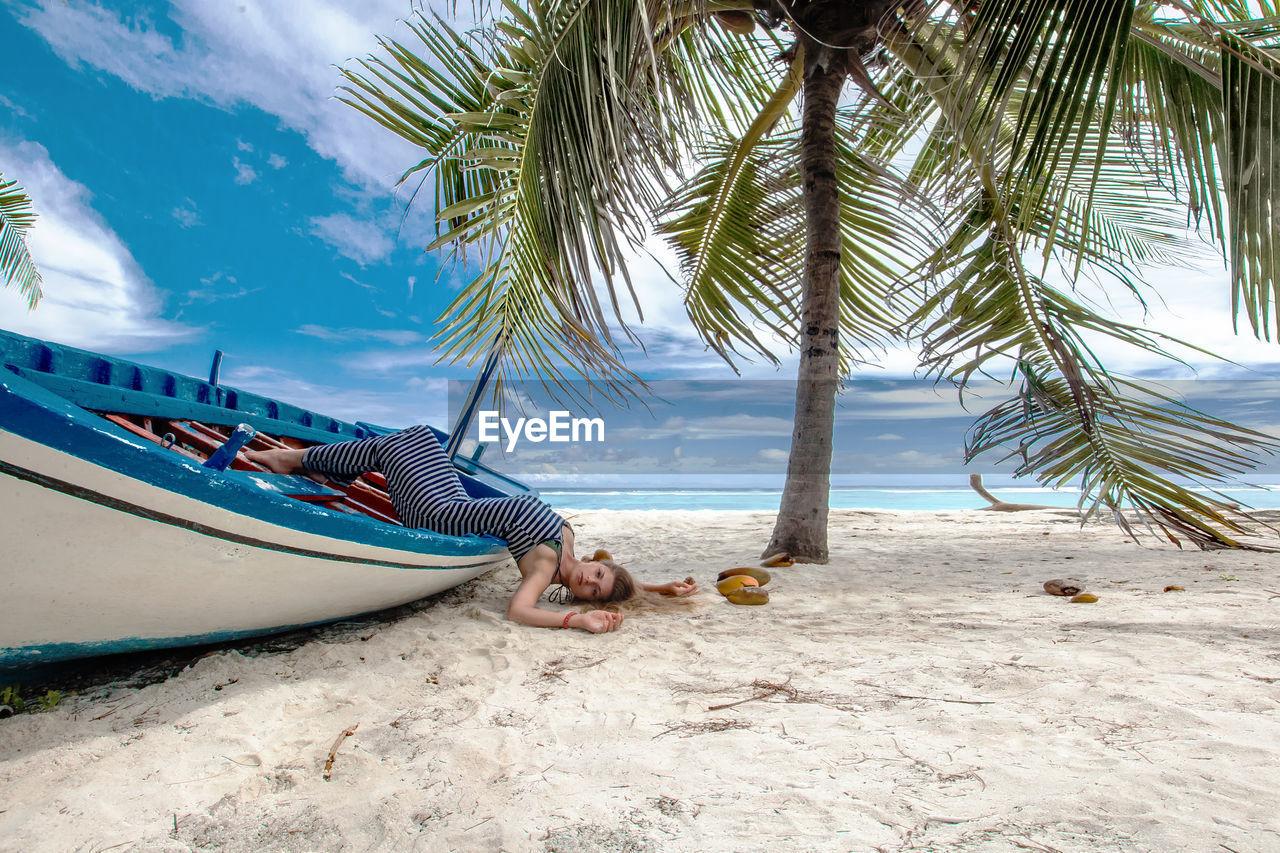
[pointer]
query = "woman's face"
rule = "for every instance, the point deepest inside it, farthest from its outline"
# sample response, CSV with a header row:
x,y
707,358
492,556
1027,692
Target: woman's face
x,y
590,581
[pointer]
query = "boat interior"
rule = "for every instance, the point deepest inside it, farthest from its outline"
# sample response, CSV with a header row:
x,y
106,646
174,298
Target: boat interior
x,y
200,441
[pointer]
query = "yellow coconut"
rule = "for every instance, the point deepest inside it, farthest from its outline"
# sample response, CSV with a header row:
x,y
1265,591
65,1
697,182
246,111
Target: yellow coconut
x,y
736,582
748,595
762,577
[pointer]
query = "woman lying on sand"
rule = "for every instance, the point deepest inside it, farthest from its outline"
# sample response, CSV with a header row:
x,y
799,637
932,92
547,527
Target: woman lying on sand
x,y
426,492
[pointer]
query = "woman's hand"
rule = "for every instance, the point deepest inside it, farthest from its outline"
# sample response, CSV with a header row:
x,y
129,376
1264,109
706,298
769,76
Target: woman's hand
x,y
688,586
597,621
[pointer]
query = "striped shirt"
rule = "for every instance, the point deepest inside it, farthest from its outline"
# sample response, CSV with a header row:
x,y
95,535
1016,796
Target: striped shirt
x,y
426,492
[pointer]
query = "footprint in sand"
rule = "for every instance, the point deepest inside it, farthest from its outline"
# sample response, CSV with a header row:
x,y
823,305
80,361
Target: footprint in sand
x,y
482,662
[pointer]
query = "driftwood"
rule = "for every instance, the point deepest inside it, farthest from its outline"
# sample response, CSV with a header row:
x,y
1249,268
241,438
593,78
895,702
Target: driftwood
x,y
997,505
333,753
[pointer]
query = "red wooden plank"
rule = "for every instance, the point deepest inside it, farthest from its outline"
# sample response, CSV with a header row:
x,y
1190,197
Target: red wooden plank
x,y
145,432
361,498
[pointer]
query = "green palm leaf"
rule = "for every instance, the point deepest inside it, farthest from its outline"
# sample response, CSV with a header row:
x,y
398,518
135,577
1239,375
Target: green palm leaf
x,y
1173,115
1251,95
1123,445
16,218
1126,444
514,169
1054,56
741,246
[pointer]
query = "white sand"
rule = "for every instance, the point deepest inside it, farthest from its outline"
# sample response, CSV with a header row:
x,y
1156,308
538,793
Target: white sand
x,y
919,693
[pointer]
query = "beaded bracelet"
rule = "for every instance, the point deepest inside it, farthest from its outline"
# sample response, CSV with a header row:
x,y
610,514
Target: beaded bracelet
x,y
568,616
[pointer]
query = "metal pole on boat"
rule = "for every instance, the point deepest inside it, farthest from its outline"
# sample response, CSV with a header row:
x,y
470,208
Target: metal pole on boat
x,y
468,411
216,368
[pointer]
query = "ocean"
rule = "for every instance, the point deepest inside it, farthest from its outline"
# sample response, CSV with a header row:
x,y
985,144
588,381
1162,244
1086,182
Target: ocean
x,y
919,498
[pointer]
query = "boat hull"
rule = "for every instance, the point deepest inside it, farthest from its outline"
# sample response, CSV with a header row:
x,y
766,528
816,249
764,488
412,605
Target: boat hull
x,y
115,541
100,563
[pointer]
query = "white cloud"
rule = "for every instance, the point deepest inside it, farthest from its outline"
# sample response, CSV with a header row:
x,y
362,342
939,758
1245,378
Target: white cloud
x,y
905,462
1194,304
245,174
394,361
216,288
187,215
414,404
773,454
276,161
736,426
264,53
95,294
357,282
360,240
718,427
397,337
13,108
912,399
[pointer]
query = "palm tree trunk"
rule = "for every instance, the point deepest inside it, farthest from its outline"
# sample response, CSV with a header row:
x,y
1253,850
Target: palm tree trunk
x,y
801,527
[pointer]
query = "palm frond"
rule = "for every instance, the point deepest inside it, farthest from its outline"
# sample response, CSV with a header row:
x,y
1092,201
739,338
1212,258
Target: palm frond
x,y
1251,97
1040,68
1073,419
1115,216
738,228
989,311
1118,217
1126,444
710,80
1045,127
1000,114
731,237
522,127
1172,118
16,218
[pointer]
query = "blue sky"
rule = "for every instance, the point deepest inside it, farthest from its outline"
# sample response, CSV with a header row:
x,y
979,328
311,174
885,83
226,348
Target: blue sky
x,y
200,188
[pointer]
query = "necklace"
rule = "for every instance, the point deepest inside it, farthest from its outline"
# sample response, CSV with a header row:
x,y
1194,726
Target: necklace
x,y
561,594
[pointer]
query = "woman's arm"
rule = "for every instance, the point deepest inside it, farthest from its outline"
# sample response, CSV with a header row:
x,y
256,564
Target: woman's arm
x,y
688,586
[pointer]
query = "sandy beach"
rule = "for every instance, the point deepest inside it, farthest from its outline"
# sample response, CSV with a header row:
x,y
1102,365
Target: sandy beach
x,y
921,692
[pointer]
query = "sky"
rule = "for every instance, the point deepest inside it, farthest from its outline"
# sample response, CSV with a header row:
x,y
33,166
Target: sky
x,y
199,188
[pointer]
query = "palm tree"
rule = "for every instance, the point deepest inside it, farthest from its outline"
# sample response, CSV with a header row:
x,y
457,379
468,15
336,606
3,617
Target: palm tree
x,y
16,217
986,141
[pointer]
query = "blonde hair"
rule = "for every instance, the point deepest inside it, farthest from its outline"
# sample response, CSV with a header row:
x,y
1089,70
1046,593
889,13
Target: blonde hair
x,y
624,586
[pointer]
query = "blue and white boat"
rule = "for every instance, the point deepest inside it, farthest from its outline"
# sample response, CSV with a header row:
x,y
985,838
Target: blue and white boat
x,y
119,536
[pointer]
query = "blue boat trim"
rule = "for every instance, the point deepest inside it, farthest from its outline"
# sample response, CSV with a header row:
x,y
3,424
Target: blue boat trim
x,y
96,497
108,398
28,656
289,485
104,383
37,414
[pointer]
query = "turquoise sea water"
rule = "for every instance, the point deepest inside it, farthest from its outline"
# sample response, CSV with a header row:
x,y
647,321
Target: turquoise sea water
x,y
928,499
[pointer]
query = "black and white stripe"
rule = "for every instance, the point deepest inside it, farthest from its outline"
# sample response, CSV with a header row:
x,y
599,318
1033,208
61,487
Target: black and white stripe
x,y
426,491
